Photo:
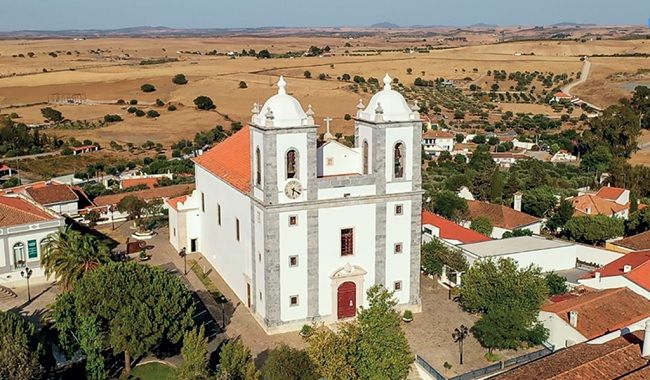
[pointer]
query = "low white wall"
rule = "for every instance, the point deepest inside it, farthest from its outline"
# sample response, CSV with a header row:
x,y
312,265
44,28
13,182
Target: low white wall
x,y
559,331
595,255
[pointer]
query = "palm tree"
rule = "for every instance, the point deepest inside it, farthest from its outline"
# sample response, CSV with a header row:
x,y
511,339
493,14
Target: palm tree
x,y
69,254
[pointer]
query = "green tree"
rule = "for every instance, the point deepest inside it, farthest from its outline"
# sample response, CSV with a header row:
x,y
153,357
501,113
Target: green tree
x,y
450,205
619,127
482,225
242,84
236,362
143,307
179,79
459,137
147,87
204,103
135,207
638,222
195,356
51,114
538,201
556,283
21,349
594,229
264,54
91,343
335,353
517,233
503,328
640,102
152,113
307,74
69,255
435,254
285,362
561,216
597,160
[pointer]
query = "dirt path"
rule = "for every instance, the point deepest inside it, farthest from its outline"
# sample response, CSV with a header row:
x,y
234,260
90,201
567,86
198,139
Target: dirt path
x,y
584,75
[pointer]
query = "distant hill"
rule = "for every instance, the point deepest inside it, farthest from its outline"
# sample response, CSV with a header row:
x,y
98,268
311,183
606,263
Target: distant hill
x,y
483,25
568,23
384,25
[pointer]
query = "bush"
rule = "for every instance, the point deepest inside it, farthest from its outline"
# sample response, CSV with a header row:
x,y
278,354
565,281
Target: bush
x,y
159,103
171,108
286,362
132,110
67,151
133,102
152,113
243,84
204,103
179,79
347,116
112,118
147,88
322,76
307,74
139,113
51,114
556,283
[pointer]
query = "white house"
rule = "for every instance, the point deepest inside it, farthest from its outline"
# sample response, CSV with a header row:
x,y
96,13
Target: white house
x,y
563,156
436,141
24,225
631,270
435,226
609,201
507,159
522,144
300,232
579,318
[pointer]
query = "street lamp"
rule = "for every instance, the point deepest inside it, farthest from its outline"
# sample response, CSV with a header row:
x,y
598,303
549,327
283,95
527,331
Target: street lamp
x,y
222,300
183,253
459,335
26,274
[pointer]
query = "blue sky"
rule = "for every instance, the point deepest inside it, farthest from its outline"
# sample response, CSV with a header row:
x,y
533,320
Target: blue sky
x,y
108,14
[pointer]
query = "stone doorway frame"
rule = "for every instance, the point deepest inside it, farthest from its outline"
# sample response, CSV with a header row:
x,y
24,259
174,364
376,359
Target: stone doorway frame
x,y
348,273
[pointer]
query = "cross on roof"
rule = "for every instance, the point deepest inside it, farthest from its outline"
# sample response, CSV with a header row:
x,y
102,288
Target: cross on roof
x,y
328,120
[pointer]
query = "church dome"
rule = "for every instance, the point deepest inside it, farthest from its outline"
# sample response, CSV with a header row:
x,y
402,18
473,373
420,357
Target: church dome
x,y
280,110
389,105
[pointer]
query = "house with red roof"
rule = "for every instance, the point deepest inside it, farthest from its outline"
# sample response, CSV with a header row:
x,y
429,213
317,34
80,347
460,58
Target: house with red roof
x,y
503,218
449,232
592,314
24,225
608,201
638,242
78,150
561,96
299,228
631,270
6,171
61,198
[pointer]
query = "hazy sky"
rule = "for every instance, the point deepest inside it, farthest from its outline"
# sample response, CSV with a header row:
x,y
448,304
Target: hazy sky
x,y
108,14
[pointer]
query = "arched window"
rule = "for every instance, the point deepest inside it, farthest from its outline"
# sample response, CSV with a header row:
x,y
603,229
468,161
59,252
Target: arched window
x,y
292,164
258,167
365,157
398,160
19,255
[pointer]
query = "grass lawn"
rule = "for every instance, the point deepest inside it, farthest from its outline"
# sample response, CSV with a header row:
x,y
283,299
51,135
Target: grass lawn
x,y
153,371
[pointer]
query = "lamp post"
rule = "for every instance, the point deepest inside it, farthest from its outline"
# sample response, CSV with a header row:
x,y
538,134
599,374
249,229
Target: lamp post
x,y
183,253
26,274
222,300
459,335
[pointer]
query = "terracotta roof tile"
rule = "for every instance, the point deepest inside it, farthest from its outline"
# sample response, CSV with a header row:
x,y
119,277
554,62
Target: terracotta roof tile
x,y
639,273
437,134
149,194
173,202
637,242
230,160
615,359
611,193
590,204
16,210
451,230
604,311
500,215
561,94
130,182
51,194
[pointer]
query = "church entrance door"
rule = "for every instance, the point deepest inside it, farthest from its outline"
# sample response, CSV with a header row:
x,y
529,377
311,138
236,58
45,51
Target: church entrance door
x,y
347,300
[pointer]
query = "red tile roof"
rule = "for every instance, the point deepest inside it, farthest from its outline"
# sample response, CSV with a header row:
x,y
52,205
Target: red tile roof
x,y
173,202
16,210
611,193
604,311
590,204
437,134
451,230
52,194
230,160
640,268
561,94
130,182
149,194
500,215
619,358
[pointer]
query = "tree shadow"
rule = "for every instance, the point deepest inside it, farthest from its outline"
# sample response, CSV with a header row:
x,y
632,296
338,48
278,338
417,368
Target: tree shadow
x,y
109,241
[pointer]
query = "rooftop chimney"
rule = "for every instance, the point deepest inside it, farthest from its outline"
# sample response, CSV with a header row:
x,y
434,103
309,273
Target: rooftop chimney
x,y
646,341
573,318
517,201
597,275
627,268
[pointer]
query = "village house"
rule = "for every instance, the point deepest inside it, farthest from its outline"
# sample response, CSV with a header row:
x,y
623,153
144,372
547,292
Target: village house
x,y
563,156
24,225
435,226
6,171
638,242
436,141
608,201
77,150
507,159
61,198
503,218
579,318
560,96
301,231
631,270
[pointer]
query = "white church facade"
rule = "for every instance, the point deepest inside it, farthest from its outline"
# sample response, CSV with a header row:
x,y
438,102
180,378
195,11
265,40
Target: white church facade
x,y
300,229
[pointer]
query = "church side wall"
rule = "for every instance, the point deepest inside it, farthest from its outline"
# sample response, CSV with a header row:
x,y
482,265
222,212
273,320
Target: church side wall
x,y
174,228
259,223
293,279
398,268
219,244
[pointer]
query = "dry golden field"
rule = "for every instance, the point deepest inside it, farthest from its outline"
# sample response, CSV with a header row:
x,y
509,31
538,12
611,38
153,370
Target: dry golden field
x,y
115,74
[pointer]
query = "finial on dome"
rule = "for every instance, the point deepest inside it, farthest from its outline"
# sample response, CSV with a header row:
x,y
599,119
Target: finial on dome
x,y
360,106
282,86
256,109
269,113
415,107
387,82
310,111
379,109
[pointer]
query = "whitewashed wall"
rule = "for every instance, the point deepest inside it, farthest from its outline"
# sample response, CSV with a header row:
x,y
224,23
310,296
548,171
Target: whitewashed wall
x,y
293,280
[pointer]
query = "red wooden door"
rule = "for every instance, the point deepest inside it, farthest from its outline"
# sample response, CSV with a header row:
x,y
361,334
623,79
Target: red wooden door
x,y
347,300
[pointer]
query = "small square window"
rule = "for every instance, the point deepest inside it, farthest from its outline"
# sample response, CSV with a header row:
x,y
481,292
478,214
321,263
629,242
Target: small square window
x,y
293,261
398,248
293,301
330,161
397,286
293,220
399,209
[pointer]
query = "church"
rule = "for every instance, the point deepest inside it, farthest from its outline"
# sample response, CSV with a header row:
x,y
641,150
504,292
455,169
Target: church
x,y
301,228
